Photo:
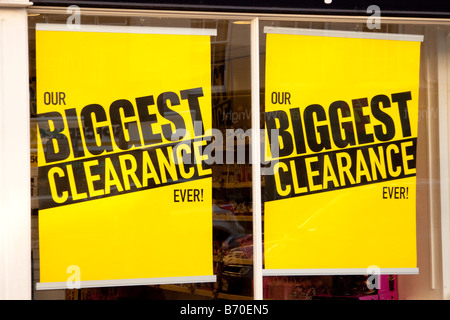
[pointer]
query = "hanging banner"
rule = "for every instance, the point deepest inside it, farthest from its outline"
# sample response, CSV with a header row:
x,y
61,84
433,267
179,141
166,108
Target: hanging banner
x,y
342,108
125,193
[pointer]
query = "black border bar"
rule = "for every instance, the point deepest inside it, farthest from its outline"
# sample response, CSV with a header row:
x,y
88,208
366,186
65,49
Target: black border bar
x,y
388,8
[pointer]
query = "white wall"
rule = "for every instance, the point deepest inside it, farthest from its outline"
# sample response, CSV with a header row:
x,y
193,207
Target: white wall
x,y
15,253
433,227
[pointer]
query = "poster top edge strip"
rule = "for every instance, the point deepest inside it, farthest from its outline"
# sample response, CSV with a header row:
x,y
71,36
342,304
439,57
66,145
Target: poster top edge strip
x,y
126,29
124,282
339,271
343,34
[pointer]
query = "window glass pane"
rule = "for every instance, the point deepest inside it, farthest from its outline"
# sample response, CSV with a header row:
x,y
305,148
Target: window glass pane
x,y
346,286
231,175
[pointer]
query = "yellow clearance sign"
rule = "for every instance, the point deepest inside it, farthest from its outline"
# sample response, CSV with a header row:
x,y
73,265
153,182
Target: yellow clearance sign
x,y
342,108
125,193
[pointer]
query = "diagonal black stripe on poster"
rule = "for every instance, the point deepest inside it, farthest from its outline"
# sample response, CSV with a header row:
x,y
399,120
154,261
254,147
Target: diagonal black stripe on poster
x,y
120,173
341,169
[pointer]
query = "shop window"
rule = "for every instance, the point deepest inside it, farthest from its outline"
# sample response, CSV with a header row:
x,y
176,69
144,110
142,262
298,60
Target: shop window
x,y
231,230
231,178
356,286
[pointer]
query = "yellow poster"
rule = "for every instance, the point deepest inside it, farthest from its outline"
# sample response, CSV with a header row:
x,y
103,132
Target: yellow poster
x,y
124,191
341,114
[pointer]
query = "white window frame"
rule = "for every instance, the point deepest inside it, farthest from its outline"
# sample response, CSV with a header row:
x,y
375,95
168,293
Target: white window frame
x,y
15,208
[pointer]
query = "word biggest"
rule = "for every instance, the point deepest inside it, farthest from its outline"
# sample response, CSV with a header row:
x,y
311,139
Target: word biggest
x,y
339,125
138,126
